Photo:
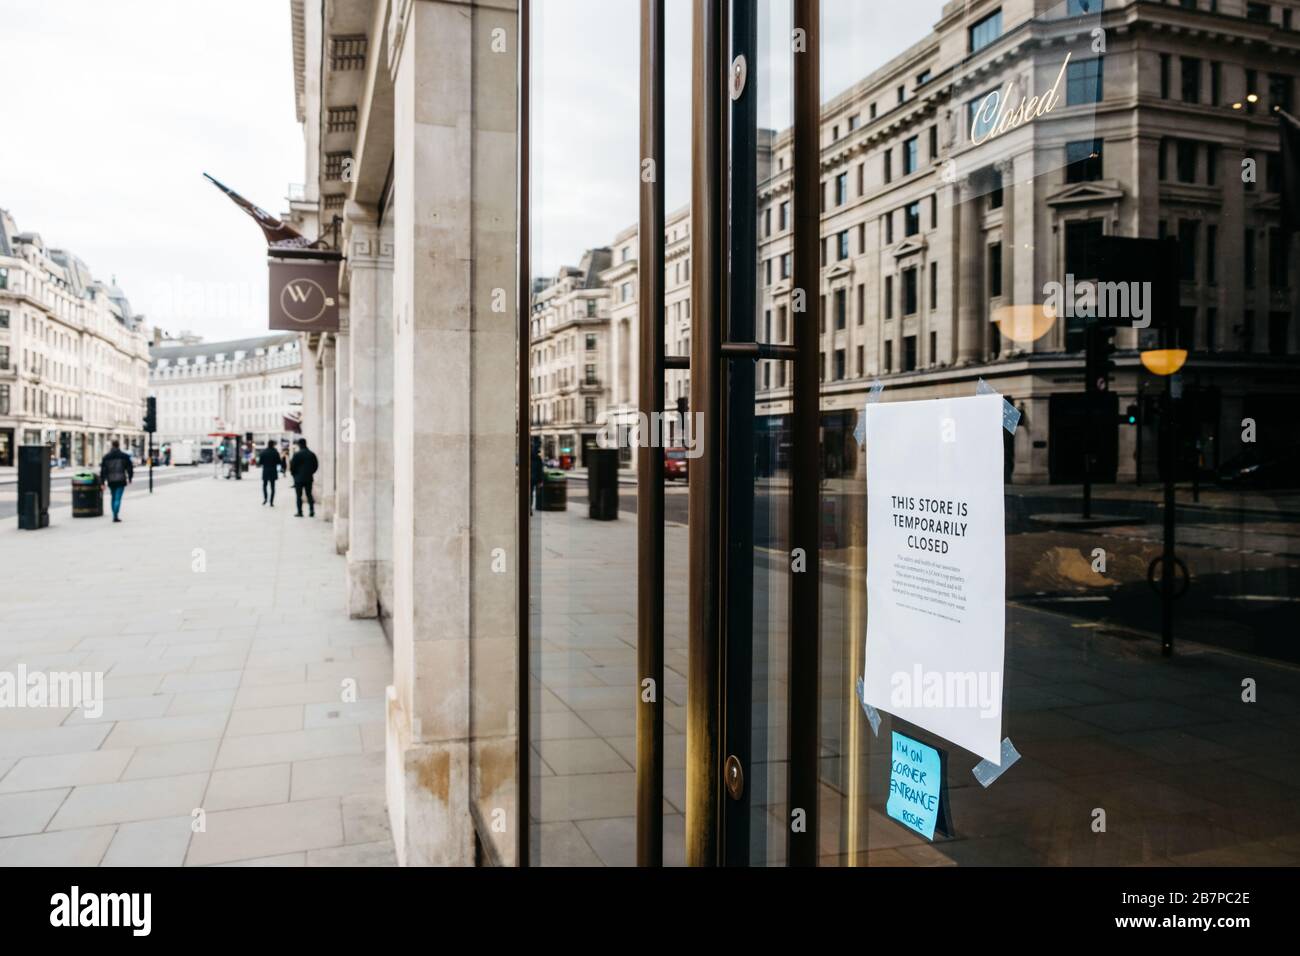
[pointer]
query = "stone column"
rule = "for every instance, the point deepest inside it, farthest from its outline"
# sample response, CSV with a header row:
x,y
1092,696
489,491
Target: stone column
x,y
900,320
970,288
325,454
370,459
949,271
311,429
345,430
1008,170
454,406
1027,276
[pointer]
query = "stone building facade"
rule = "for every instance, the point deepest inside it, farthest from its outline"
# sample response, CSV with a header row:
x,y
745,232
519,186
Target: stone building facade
x,y
937,249
240,386
940,232
942,228
73,355
571,355
408,109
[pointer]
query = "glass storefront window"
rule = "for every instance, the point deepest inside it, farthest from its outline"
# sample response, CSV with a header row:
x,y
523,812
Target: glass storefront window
x,y
1128,297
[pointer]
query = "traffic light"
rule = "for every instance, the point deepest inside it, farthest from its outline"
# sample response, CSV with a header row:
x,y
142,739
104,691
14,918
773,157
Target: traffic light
x,y
248,438
151,414
1151,264
1099,358
1130,415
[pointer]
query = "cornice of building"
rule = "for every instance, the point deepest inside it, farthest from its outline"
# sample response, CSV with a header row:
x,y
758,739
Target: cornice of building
x,y
297,17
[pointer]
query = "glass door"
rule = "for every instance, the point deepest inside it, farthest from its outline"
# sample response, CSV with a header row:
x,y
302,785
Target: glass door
x,y
752,738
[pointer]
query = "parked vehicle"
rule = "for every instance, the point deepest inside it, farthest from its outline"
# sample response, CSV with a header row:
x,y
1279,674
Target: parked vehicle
x,y
1262,468
676,464
183,453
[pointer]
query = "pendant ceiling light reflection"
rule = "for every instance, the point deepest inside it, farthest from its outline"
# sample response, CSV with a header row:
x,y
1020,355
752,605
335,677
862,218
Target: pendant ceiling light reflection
x,y
1164,361
1024,324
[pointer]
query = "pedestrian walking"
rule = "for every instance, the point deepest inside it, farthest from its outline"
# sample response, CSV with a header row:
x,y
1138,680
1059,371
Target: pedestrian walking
x,y
301,467
115,470
537,474
272,465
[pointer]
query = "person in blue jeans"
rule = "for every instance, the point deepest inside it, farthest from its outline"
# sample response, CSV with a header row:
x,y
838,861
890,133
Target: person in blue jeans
x,y
116,472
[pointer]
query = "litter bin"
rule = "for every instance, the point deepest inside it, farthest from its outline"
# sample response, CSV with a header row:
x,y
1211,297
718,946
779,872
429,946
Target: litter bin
x,y
87,496
602,484
33,487
555,491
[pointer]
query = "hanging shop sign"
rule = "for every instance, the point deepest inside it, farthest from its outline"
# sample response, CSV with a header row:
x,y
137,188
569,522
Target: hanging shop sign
x,y
304,295
936,567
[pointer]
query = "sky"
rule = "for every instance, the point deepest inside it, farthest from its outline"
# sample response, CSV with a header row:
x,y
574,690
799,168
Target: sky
x,y
115,109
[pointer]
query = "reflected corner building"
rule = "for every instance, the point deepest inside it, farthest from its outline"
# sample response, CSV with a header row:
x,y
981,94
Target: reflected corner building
x,y
941,235
943,219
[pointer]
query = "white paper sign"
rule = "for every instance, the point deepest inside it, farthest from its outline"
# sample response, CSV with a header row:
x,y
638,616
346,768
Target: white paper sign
x,y
936,567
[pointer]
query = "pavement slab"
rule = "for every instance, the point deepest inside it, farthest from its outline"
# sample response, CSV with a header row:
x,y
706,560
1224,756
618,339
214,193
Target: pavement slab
x,y
220,631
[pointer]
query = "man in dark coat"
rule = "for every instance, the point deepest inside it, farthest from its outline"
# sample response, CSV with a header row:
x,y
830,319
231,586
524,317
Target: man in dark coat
x,y
536,476
269,459
302,466
116,471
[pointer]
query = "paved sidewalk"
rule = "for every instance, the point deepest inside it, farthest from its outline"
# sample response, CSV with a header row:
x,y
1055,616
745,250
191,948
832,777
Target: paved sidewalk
x,y
9,473
220,628
1186,770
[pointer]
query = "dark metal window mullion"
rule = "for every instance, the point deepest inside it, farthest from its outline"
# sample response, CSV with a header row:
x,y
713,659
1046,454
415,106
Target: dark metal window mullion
x,y
650,457
805,533
708,174
737,403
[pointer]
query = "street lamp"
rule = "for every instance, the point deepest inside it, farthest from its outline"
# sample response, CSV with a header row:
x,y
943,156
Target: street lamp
x,y
1166,363
1024,324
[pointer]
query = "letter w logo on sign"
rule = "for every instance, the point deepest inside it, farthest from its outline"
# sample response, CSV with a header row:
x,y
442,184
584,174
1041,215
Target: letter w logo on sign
x,y
303,295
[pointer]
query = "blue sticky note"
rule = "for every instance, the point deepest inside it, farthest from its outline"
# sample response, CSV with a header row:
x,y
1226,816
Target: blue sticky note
x,y
914,784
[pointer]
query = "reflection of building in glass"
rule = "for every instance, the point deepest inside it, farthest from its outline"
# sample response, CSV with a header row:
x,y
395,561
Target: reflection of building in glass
x,y
569,331
937,248
585,346
73,354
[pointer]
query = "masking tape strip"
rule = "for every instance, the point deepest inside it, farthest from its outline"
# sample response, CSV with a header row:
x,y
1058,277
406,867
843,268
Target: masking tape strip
x,y
873,715
873,396
986,771
1010,414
